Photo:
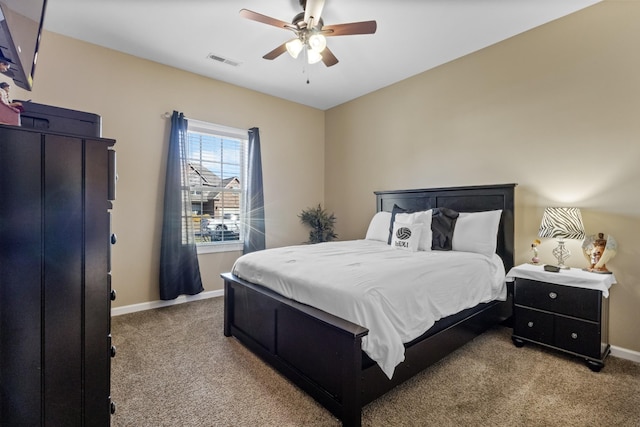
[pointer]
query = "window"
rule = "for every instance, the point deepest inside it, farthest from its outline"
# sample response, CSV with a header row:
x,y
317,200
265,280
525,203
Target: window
x,y
216,164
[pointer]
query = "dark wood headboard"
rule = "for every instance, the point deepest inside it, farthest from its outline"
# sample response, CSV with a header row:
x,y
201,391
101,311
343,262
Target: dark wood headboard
x,y
462,199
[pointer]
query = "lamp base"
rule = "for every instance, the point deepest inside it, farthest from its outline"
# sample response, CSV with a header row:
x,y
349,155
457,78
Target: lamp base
x,y
561,253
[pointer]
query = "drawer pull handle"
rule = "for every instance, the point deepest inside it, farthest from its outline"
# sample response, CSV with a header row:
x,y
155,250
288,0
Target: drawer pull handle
x,y
574,335
553,295
530,324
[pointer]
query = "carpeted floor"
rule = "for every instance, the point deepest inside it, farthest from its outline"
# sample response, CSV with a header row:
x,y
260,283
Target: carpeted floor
x,y
174,367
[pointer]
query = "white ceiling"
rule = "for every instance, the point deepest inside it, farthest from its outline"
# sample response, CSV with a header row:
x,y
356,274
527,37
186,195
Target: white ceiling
x,y
413,36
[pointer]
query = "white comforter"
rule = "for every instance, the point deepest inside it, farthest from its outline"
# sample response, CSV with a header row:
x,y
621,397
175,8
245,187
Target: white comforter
x,y
396,294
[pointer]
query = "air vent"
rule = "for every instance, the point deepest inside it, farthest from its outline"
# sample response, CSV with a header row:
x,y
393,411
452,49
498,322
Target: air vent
x,y
224,60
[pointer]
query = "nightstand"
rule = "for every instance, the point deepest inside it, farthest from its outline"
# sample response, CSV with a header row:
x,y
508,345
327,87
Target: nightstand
x,y
567,311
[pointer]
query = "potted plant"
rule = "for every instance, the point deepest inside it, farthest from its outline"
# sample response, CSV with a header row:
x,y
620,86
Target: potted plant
x,y
321,223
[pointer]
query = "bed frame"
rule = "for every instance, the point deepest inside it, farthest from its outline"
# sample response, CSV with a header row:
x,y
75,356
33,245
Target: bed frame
x,y
322,353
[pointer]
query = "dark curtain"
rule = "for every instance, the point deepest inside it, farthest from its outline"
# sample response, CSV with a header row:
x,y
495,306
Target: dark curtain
x,y
179,269
254,203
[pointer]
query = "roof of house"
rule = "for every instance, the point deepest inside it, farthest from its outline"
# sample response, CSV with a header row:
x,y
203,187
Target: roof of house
x,y
200,175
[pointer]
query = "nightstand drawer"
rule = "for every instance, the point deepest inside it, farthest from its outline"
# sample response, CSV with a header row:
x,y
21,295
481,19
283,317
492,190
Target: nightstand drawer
x,y
578,336
533,325
572,301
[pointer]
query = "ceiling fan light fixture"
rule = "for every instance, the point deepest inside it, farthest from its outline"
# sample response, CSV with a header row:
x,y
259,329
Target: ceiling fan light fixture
x,y
313,56
317,42
310,31
294,47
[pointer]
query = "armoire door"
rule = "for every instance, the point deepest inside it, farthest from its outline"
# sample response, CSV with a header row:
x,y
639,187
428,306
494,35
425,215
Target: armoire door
x,y
54,284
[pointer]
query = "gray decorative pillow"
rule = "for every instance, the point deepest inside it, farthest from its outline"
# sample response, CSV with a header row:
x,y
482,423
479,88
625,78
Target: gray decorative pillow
x,y
443,223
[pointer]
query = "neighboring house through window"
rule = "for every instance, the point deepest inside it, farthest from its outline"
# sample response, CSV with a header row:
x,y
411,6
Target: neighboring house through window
x,y
216,158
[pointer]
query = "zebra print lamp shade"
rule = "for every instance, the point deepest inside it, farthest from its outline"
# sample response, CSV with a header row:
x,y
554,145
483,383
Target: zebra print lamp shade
x,y
562,223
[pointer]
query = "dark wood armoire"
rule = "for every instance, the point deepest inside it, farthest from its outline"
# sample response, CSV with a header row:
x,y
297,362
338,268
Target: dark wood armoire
x,y
56,194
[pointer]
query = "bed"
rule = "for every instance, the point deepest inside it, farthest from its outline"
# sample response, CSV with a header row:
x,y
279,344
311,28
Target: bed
x,y
322,353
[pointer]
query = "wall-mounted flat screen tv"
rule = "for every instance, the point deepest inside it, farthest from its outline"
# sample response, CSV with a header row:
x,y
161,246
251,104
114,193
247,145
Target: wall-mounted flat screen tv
x,y
20,32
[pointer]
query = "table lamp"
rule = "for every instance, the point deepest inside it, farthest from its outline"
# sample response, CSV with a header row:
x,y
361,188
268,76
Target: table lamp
x,y
562,223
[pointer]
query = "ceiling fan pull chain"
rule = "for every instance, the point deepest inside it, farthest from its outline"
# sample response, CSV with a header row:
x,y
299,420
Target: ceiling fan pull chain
x,y
304,65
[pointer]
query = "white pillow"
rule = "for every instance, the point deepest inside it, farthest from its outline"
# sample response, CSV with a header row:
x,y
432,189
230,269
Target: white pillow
x,y
379,227
406,236
477,232
424,218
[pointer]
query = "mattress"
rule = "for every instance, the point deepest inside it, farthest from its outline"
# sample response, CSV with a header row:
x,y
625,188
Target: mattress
x,y
396,294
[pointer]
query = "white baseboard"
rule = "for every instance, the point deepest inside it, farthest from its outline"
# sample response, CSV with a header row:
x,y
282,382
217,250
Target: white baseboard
x,y
117,311
623,353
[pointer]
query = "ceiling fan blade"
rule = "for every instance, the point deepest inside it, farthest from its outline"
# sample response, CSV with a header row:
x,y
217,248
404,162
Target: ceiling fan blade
x,y
313,10
328,57
255,16
276,52
364,27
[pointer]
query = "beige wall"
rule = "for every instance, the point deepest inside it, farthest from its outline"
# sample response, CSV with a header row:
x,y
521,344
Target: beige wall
x,y
131,95
555,110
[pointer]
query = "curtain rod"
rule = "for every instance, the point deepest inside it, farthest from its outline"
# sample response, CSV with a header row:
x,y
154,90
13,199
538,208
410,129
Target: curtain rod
x,y
168,115
226,130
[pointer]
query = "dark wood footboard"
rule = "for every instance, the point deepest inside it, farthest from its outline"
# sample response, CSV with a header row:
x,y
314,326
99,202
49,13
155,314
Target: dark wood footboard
x,y
319,352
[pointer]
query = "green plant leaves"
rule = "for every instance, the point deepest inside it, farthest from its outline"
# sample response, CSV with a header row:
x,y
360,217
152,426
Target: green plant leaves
x,y
321,223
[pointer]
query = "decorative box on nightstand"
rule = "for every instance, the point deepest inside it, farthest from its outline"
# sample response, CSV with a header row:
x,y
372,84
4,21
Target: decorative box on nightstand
x,y
567,311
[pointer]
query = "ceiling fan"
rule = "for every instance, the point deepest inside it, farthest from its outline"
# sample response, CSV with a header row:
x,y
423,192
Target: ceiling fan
x,y
310,32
